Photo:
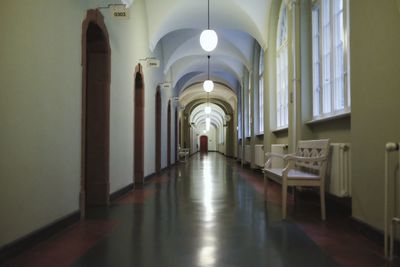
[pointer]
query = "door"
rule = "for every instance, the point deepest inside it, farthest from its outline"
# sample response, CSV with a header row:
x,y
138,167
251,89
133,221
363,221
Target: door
x,y
203,144
96,112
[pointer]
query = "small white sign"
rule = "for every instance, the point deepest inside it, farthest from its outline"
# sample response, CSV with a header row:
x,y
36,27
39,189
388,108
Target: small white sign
x,y
153,63
166,86
119,12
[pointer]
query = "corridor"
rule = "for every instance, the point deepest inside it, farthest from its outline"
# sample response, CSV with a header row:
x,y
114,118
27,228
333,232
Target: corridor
x,y
206,212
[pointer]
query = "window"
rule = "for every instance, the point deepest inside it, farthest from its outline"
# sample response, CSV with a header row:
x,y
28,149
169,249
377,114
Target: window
x,y
248,129
240,117
282,86
331,94
261,93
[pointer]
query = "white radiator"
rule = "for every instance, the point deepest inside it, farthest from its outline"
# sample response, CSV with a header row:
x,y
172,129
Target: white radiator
x,y
247,154
338,180
221,148
277,163
259,155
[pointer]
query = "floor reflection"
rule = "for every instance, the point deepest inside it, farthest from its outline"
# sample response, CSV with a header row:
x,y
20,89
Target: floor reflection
x,y
201,213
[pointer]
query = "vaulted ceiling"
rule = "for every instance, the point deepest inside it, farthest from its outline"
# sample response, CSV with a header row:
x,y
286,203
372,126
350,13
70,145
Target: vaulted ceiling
x,y
177,24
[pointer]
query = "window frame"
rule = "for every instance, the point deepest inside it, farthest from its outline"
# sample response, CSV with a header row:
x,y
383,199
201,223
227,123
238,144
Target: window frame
x,y
248,109
282,70
335,109
260,96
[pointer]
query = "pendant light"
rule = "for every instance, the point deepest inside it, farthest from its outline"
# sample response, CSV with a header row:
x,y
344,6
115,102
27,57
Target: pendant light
x,y
208,123
207,109
208,38
208,85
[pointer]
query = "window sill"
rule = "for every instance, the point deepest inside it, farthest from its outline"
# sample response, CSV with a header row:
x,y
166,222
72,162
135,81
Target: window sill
x,y
281,130
260,134
330,117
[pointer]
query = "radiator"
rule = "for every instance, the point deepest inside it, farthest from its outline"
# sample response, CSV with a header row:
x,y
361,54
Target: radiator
x,y
338,180
221,148
277,163
247,153
259,155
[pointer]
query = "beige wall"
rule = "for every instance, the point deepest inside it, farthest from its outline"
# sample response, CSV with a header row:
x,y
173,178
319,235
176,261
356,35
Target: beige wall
x,y
40,108
40,113
375,89
337,130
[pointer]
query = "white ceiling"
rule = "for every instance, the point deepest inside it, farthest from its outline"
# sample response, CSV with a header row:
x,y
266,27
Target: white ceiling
x,y
177,24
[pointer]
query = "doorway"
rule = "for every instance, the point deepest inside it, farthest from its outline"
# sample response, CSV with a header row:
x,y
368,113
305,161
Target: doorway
x,y
169,134
95,184
203,144
158,131
138,149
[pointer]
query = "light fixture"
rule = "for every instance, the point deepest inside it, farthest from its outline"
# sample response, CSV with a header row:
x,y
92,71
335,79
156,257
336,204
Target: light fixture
x,y
127,3
208,38
208,122
207,109
208,85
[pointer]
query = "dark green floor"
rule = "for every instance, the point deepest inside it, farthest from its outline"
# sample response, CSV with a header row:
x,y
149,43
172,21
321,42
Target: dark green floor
x,y
202,213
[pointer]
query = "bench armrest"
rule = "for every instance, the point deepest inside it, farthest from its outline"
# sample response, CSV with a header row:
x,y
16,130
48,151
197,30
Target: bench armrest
x,y
270,155
292,157
276,155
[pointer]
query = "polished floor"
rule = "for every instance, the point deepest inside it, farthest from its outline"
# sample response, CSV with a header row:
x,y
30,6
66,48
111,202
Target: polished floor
x,y
206,212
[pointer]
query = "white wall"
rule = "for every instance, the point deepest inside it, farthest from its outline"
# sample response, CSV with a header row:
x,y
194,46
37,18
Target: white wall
x,y
129,44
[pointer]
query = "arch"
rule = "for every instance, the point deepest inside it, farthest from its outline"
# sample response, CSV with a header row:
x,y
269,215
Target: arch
x,y
96,73
282,69
169,134
139,126
158,131
176,134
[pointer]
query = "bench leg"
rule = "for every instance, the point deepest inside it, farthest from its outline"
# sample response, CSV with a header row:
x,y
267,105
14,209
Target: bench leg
x,y
284,198
322,196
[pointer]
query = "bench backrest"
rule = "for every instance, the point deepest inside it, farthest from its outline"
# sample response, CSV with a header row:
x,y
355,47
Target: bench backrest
x,y
312,148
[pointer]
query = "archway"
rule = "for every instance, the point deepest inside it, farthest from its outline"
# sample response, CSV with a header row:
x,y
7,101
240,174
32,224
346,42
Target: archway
x,y
176,134
95,184
169,134
139,127
203,144
158,131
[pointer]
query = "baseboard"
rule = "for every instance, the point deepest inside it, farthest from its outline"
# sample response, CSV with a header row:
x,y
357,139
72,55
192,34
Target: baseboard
x,y
150,176
16,247
374,234
333,203
368,231
119,193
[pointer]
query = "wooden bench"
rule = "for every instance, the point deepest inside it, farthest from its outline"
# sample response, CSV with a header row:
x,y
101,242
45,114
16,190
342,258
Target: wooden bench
x,y
183,154
306,167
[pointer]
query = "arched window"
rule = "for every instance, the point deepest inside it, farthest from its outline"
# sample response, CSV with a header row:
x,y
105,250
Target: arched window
x,y
282,75
331,93
261,93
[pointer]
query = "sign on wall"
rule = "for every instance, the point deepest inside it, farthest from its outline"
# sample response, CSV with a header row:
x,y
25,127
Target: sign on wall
x,y
119,12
